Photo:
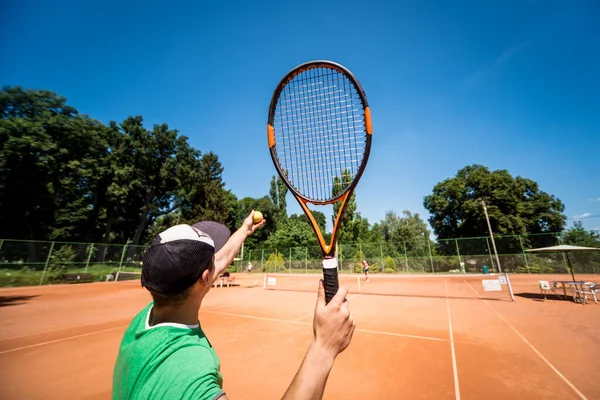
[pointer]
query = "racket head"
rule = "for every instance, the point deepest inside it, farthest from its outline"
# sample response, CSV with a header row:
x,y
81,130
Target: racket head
x,y
319,129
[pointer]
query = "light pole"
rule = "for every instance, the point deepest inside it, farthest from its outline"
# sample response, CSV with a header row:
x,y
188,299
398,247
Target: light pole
x,y
487,218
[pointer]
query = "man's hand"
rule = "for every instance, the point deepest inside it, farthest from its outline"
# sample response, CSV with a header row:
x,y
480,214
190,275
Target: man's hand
x,y
249,226
333,325
226,255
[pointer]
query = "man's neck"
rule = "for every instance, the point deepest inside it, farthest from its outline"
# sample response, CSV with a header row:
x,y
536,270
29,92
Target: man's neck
x,y
184,314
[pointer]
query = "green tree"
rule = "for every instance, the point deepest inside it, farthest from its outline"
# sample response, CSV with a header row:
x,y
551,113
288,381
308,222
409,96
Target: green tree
x,y
319,217
145,180
578,236
515,205
208,199
278,192
408,233
49,157
295,232
346,229
264,205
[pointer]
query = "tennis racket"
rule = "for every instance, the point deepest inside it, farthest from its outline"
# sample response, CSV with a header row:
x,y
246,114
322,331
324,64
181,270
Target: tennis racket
x,y
319,135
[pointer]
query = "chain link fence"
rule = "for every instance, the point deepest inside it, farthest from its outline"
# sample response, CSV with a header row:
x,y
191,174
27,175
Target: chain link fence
x,y
44,262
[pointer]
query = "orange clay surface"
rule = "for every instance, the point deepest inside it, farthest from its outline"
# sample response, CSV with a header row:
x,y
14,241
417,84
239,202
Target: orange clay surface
x,y
61,342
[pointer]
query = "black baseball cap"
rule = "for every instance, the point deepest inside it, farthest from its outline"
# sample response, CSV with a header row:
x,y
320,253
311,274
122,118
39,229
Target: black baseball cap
x,y
178,256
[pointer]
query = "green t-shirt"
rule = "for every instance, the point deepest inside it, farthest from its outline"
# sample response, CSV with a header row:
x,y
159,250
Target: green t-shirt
x,y
165,361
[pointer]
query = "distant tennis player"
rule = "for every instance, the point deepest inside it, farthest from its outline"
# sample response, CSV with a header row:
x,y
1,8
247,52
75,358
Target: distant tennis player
x,y
366,268
164,353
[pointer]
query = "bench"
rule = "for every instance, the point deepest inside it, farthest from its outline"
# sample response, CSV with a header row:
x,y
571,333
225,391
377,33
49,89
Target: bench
x,y
226,279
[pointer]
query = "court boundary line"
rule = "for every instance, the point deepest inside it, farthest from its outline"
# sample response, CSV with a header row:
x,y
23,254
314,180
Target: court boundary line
x,y
62,339
536,351
452,350
60,329
288,321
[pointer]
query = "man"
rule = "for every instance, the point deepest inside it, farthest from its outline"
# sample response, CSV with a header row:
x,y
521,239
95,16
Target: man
x,y
366,267
165,354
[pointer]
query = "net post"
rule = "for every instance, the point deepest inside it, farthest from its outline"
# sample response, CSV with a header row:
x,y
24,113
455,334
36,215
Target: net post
x,y
510,291
87,263
265,281
487,241
358,283
47,262
122,257
524,255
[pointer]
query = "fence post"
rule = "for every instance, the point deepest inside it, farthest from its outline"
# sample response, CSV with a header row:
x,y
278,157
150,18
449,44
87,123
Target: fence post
x,y
490,251
262,260
381,255
122,256
290,263
524,255
47,262
87,263
460,264
341,257
306,260
1,243
405,258
430,256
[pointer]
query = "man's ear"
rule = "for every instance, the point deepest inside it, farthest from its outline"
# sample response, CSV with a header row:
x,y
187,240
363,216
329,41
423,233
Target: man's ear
x,y
206,277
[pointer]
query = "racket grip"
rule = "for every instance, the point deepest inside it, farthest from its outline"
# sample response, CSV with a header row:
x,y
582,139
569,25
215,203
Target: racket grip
x,y
330,278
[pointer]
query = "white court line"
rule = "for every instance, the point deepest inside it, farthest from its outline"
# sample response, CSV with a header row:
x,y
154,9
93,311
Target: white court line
x,y
287,321
455,370
56,330
62,339
581,396
304,316
400,335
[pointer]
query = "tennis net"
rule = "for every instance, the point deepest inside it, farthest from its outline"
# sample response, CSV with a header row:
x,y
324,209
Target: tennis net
x,y
467,286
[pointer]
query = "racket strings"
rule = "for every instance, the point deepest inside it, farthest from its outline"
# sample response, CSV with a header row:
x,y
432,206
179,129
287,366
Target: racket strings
x,y
320,133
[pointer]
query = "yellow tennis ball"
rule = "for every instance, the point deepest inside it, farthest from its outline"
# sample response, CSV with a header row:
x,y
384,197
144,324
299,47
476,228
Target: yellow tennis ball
x,y
257,217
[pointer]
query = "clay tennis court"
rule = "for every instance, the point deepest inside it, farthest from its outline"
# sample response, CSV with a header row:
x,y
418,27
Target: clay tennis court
x,y
61,342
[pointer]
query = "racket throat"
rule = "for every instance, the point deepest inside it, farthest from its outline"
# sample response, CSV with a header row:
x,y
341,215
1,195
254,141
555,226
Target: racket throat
x,y
328,250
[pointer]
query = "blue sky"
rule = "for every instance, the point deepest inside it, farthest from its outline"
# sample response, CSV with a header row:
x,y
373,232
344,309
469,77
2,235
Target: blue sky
x,y
513,85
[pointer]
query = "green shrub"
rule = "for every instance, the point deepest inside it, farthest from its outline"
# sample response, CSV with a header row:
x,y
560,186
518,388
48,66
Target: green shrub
x,y
275,262
389,263
61,258
389,271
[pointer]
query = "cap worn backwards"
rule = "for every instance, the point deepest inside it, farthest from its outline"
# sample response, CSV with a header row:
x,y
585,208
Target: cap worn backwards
x,y
178,256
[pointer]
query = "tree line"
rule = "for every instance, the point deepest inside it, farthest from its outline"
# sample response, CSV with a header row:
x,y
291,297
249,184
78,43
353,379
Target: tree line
x,y
66,176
